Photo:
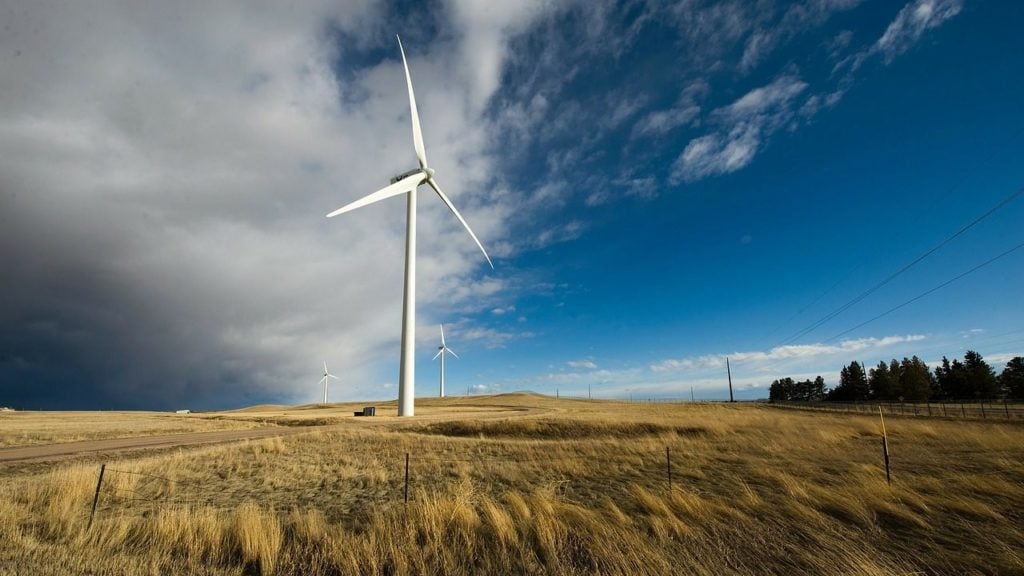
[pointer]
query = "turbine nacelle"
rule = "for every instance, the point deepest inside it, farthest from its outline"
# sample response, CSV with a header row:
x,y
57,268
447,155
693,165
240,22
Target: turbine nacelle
x,y
404,175
428,174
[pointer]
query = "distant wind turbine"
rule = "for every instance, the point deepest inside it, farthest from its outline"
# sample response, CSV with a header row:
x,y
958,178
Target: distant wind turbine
x,y
407,183
327,374
441,351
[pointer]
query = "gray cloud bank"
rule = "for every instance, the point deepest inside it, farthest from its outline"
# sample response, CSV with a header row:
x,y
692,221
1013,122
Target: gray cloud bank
x,y
164,172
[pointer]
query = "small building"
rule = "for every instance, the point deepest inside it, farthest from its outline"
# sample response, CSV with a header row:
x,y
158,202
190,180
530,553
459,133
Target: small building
x,y
182,411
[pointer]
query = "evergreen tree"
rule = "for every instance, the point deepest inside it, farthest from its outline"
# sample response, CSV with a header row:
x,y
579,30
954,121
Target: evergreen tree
x,y
817,390
853,384
952,382
859,381
1012,378
782,390
788,390
980,377
883,383
895,369
915,380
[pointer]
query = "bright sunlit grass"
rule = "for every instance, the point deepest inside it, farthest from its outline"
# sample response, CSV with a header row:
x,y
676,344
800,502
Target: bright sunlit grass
x,y
524,484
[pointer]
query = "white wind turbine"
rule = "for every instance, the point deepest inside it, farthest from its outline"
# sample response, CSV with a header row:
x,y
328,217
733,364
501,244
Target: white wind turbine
x,y
407,183
441,351
327,374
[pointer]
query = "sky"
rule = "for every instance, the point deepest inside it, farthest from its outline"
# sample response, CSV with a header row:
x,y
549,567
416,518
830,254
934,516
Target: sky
x,y
661,185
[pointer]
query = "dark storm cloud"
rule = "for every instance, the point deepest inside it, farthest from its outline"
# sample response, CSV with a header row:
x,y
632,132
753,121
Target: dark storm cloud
x,y
164,172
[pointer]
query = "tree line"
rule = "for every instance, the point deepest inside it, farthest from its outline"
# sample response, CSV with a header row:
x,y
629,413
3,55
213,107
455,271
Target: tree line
x,y
910,380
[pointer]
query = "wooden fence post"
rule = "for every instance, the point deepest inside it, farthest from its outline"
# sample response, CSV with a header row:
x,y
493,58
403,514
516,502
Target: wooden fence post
x,y
668,467
1006,409
406,477
982,403
885,449
96,497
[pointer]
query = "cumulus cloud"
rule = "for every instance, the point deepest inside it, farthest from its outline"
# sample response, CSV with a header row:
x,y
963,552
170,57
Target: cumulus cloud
x,y
582,364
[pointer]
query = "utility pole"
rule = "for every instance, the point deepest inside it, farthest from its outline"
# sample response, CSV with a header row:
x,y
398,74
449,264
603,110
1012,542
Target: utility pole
x,y
691,394
729,372
589,395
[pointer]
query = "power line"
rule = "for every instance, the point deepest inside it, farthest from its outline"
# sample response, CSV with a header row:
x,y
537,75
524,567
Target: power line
x,y
815,325
977,166
923,294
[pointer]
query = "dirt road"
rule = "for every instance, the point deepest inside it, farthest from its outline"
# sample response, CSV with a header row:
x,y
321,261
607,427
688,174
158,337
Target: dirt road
x,y
69,449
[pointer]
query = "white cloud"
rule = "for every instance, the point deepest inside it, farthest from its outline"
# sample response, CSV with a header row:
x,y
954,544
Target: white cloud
x,y
741,127
485,28
783,353
799,17
582,364
492,338
484,389
912,22
661,122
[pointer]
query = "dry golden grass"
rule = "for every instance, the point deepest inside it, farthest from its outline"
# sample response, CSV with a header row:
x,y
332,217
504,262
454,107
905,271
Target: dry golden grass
x,y
28,428
565,487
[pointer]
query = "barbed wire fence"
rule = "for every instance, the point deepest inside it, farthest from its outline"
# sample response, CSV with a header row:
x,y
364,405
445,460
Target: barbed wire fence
x,y
1001,409
119,489
984,409
124,489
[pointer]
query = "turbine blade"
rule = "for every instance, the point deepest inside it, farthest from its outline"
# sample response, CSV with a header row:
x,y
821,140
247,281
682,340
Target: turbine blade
x,y
404,185
326,371
322,380
442,334
438,354
452,352
451,207
417,135
332,376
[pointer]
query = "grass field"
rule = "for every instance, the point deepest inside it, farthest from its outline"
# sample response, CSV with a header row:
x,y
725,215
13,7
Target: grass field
x,y
529,484
28,428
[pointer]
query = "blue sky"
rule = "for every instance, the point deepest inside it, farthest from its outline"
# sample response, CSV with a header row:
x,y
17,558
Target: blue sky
x,y
660,185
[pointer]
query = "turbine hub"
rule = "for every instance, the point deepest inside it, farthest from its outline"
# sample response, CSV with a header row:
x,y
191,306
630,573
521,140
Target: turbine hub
x,y
429,171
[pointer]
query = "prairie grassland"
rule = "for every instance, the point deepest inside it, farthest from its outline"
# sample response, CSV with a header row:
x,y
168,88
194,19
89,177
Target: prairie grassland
x,y
28,428
568,487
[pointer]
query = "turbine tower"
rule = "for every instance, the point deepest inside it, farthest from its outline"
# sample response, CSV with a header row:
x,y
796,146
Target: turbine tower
x,y
327,374
441,351
407,183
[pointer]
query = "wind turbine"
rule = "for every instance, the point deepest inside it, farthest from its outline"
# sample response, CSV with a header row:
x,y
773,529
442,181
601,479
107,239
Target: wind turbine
x,y
441,350
407,183
327,374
